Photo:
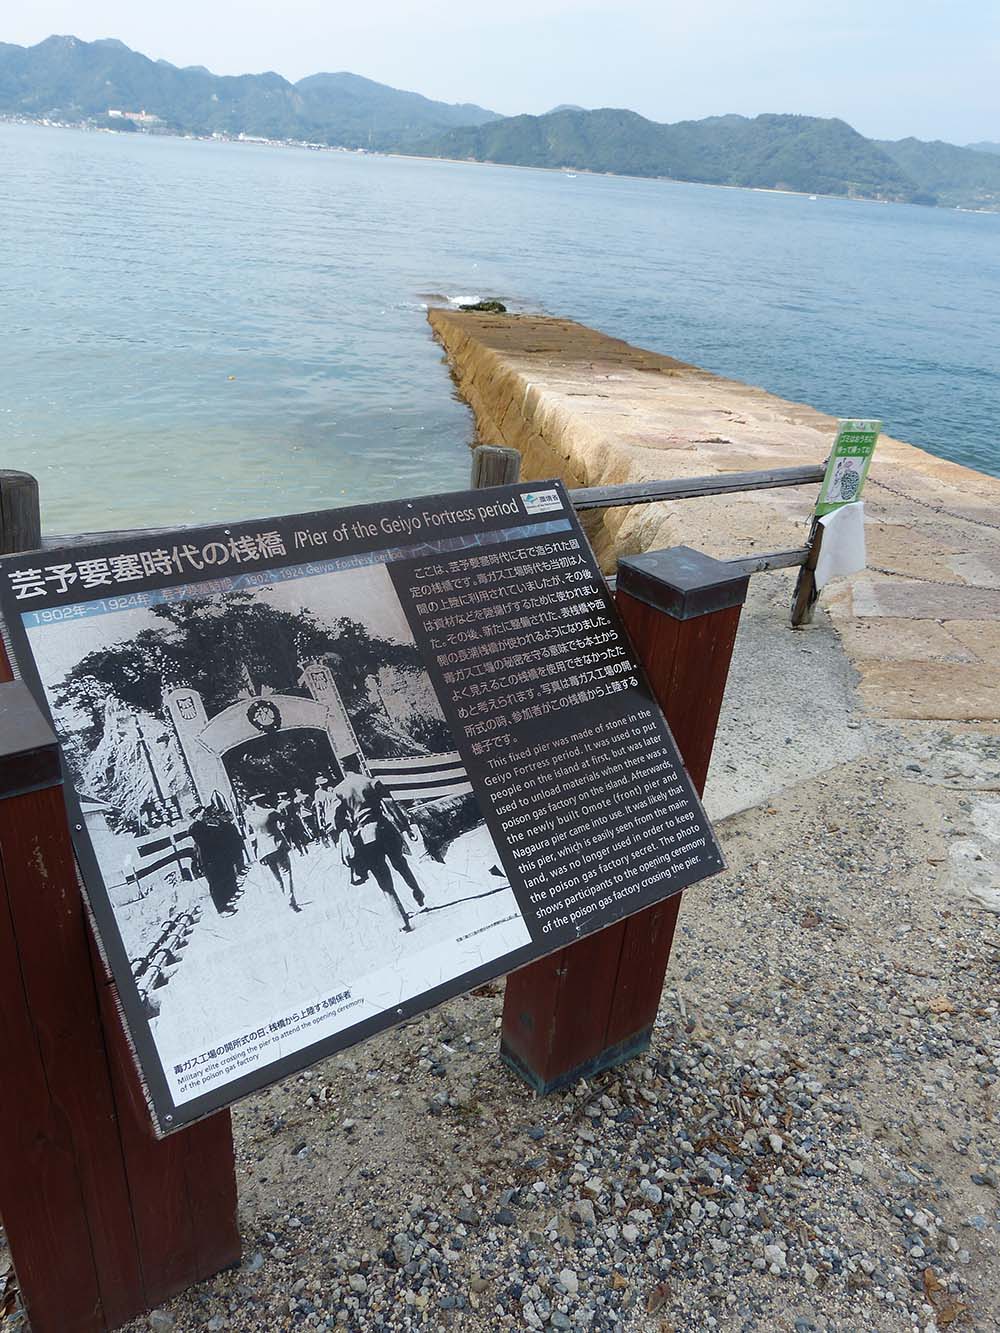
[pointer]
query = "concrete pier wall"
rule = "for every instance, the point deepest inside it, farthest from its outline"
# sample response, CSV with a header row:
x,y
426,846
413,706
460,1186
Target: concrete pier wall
x,y
922,625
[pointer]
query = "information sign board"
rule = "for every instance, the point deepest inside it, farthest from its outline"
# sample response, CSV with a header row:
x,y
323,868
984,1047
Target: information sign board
x,y
327,770
848,464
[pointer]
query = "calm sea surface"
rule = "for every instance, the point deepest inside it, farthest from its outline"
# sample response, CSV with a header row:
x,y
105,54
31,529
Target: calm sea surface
x,y
192,331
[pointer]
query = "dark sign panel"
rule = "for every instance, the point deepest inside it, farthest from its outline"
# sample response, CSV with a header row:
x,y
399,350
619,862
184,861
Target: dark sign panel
x,y
330,769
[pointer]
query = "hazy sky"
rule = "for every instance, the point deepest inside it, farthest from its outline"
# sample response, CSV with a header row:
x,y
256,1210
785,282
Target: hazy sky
x,y
889,67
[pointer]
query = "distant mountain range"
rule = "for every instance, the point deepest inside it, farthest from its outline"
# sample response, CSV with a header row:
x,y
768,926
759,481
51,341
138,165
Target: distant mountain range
x,y
66,79
778,152
962,177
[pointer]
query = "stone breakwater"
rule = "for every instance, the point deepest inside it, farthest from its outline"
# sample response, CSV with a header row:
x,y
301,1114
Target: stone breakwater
x,y
921,626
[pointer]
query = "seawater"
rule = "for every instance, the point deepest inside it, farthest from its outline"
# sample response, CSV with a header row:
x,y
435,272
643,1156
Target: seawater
x,y
198,331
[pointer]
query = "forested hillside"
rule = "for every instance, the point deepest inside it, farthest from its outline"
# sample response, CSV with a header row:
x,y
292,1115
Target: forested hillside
x,y
65,79
779,152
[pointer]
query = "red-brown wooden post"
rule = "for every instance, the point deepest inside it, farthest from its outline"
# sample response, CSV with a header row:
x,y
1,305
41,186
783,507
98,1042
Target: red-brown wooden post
x,y
63,1189
104,1220
592,1004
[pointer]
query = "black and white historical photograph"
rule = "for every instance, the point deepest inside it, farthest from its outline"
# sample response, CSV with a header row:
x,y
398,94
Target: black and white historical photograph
x,y
287,835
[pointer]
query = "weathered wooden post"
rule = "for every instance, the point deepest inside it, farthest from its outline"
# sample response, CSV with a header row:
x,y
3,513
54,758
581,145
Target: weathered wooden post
x,y
805,596
494,465
20,514
592,1004
104,1220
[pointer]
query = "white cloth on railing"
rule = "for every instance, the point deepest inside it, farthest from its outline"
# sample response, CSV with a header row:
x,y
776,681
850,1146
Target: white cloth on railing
x,y
842,550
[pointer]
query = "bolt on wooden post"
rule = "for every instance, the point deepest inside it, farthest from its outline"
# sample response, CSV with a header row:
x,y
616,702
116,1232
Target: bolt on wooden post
x,y
593,1004
104,1220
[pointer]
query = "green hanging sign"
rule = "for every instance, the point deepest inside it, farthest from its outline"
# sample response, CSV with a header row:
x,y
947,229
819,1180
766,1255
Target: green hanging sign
x,y
848,464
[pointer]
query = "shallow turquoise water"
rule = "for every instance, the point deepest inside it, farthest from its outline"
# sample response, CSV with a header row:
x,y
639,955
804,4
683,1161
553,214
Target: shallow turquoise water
x,y
139,275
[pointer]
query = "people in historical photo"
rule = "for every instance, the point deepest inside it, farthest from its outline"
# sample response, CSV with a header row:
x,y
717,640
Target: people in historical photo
x,y
290,823
221,856
304,813
269,840
277,807
324,809
376,826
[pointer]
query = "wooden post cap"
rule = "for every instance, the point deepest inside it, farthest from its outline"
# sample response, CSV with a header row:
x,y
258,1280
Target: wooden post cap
x,y
494,465
20,519
29,751
682,582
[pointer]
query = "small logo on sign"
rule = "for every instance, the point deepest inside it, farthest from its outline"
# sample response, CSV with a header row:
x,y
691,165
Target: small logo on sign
x,y
540,502
264,716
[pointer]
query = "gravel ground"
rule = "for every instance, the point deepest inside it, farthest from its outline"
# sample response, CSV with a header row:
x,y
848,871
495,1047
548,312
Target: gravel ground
x,y
812,1142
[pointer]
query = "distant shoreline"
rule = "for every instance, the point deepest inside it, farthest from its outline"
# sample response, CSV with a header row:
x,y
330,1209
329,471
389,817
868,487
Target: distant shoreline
x,y
663,180
255,141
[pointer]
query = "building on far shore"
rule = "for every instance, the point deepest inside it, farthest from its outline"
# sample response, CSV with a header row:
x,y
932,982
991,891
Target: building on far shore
x,y
137,117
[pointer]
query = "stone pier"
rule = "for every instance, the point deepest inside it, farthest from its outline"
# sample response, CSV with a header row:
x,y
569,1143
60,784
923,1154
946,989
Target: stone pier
x,y
921,626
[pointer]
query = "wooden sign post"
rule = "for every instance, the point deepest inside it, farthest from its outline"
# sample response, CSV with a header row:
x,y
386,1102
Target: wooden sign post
x,y
592,1005
104,1220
